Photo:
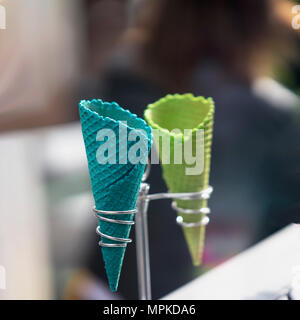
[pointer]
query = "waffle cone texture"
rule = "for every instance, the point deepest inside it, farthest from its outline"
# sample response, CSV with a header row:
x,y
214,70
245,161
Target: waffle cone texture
x,y
115,186
185,112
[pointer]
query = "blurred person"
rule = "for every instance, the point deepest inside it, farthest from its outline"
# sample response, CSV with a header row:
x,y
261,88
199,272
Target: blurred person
x,y
105,22
39,62
226,49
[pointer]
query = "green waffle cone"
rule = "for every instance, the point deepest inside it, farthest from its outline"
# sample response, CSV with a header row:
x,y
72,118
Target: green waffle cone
x,y
115,186
185,112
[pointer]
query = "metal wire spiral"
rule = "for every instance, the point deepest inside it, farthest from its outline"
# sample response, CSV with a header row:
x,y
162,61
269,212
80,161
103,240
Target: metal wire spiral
x,y
122,241
204,195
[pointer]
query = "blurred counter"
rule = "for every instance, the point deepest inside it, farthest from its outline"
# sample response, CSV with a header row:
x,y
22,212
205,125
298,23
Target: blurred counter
x,y
262,272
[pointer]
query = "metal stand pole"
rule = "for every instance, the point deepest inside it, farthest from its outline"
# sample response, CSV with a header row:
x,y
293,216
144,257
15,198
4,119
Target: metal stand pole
x,y
142,244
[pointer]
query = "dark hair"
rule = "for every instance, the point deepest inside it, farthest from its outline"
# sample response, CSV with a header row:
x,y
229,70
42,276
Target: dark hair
x,y
245,37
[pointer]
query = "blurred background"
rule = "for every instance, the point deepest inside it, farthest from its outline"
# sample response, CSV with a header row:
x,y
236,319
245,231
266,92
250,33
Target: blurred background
x,y
244,54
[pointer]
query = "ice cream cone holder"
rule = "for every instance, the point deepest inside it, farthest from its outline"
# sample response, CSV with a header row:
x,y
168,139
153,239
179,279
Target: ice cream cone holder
x,y
141,226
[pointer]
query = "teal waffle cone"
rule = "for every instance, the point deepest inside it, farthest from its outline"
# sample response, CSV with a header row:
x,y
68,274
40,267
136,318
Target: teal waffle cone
x,y
115,186
185,112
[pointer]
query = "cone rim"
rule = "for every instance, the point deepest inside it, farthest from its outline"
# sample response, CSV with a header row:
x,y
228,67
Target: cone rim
x,y
170,97
206,124
85,104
